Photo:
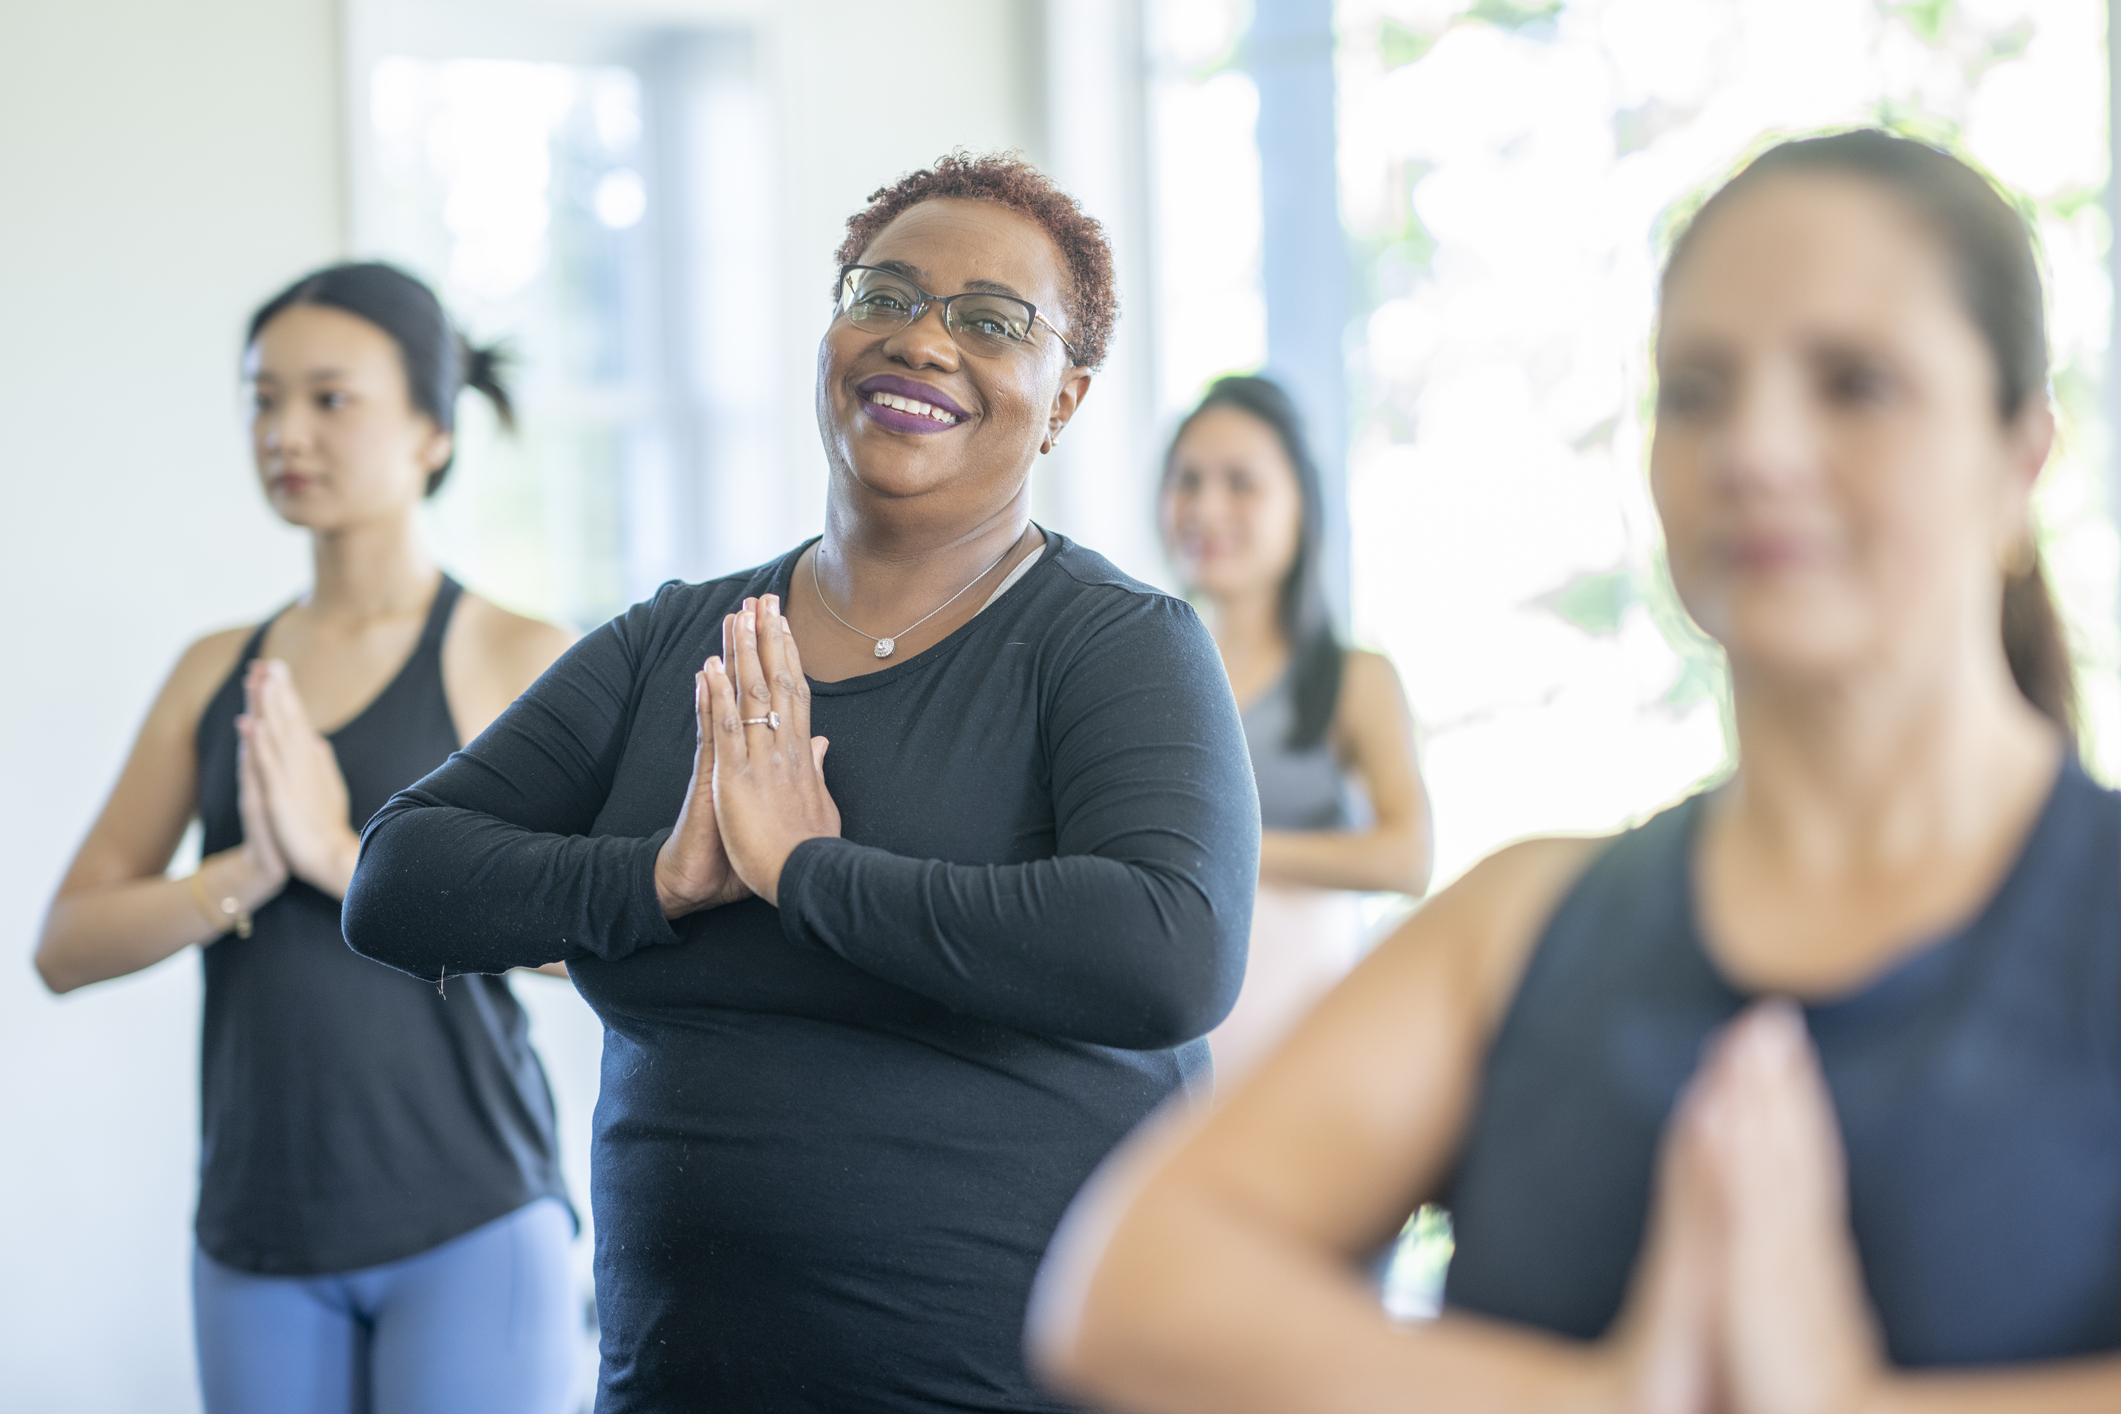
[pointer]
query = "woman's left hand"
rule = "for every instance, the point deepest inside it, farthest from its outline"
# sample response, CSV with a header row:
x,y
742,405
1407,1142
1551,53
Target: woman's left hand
x,y
1798,1335
305,793
769,780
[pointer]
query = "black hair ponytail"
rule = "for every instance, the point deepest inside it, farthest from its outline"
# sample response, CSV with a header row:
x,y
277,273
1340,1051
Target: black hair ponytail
x,y
439,363
486,373
1315,650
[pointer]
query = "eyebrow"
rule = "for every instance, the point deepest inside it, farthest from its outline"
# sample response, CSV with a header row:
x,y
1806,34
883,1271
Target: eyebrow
x,y
914,273
314,375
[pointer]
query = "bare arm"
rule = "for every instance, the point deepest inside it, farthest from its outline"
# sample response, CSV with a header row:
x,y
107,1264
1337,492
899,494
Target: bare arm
x,y
1221,1275
1374,733
115,913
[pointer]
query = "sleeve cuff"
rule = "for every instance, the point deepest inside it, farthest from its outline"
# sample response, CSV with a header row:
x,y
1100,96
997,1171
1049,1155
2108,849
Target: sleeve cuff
x,y
797,885
651,927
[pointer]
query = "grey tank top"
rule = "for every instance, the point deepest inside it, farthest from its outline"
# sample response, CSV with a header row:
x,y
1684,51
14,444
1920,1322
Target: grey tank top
x,y
1298,790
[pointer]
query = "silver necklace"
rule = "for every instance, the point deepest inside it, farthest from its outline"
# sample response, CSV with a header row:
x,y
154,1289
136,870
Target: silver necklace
x,y
886,646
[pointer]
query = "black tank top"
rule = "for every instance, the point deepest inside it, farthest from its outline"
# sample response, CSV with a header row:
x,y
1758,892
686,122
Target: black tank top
x,y
353,1115
1978,1086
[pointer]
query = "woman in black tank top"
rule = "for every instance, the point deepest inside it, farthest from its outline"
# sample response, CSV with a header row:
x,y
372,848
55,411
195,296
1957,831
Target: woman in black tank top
x,y
1805,1096
381,1222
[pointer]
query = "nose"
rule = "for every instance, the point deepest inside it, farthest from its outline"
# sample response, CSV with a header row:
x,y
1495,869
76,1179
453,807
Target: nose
x,y
1769,441
925,342
284,427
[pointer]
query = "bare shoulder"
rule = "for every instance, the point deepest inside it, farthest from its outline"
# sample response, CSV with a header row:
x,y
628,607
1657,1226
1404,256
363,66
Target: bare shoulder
x,y
201,669
1370,692
1487,921
1364,673
505,650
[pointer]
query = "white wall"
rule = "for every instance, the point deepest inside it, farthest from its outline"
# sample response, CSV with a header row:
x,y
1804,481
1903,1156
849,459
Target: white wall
x,y
165,167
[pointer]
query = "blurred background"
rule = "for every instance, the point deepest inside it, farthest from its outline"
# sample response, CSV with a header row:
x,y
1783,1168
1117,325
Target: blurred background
x,y
1439,221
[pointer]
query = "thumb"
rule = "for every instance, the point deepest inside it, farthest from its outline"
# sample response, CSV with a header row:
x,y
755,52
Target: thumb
x,y
817,751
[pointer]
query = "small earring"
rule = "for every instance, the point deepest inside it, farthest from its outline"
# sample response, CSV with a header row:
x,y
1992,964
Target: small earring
x,y
2022,558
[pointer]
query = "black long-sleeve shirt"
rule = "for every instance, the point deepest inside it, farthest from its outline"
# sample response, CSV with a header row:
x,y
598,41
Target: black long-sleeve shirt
x,y
835,1136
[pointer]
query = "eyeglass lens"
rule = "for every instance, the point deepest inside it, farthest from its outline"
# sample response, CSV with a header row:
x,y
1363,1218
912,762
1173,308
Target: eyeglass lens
x,y
983,323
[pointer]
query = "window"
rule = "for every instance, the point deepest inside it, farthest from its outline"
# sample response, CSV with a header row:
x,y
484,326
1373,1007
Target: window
x,y
594,197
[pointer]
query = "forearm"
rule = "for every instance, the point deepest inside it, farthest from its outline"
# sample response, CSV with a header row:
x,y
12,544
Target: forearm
x,y
94,935
333,875
2072,1387
443,889
1080,946
1195,1312
1383,860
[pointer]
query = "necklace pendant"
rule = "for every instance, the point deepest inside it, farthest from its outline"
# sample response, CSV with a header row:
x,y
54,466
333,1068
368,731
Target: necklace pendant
x,y
884,647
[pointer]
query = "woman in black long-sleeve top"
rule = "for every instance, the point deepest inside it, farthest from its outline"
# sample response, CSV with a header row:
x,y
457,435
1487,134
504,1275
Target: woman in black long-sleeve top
x,y
872,1014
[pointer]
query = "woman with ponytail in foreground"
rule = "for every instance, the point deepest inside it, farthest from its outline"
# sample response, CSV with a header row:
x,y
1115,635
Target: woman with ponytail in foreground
x,y
1801,1097
382,1223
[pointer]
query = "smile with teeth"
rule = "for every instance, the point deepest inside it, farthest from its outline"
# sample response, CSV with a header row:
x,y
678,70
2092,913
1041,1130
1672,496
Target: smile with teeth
x,y
918,409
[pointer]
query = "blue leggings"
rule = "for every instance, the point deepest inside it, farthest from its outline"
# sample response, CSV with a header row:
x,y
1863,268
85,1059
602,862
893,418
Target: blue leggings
x,y
485,1322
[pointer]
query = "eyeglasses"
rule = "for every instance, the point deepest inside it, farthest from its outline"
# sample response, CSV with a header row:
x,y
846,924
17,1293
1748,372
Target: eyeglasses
x,y
881,302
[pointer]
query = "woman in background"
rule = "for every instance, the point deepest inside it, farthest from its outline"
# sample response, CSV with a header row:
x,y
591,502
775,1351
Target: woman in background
x,y
1800,1098
382,1223
1332,743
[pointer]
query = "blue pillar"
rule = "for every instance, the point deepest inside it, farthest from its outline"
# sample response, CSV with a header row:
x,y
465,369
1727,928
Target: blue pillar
x,y
1304,256
2113,263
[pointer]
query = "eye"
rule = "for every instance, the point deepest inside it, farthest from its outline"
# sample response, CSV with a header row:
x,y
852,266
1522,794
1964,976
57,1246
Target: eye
x,y
332,400
260,400
1688,392
1857,383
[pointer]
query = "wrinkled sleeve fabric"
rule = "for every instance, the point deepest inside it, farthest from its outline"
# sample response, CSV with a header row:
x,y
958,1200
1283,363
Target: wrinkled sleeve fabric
x,y
1134,934
487,863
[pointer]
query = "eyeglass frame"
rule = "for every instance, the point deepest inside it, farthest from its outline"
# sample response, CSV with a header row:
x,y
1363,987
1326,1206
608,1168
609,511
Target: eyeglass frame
x,y
925,301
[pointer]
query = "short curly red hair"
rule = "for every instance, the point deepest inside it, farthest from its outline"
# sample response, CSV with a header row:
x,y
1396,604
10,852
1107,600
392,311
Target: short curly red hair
x,y
1006,179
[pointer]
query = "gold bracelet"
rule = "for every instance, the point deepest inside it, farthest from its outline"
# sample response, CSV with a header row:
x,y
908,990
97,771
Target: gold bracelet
x,y
231,916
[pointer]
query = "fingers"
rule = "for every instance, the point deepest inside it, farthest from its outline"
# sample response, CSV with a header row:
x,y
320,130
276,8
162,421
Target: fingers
x,y
754,692
253,805
728,729
784,669
817,752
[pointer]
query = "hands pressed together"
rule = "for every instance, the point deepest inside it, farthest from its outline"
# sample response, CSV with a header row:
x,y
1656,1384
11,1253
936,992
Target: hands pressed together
x,y
291,796
758,783
1749,1296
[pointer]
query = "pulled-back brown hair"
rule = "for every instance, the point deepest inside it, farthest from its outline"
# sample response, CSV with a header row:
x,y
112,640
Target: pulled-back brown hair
x,y
1997,278
1006,179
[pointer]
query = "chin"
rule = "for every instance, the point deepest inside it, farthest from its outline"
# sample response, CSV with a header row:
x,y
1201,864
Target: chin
x,y
1796,644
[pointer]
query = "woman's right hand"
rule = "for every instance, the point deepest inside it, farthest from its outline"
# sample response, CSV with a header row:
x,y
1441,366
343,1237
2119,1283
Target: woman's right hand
x,y
253,872
1662,1355
692,869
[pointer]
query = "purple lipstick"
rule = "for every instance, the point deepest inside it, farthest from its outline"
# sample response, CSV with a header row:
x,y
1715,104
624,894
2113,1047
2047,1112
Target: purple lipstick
x,y
904,405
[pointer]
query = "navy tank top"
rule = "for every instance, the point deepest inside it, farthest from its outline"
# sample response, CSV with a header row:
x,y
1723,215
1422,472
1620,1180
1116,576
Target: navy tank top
x,y
1978,1086
1298,789
353,1115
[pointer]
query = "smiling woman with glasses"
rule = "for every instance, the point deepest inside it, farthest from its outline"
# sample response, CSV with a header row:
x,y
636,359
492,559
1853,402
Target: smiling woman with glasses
x,y
873,1012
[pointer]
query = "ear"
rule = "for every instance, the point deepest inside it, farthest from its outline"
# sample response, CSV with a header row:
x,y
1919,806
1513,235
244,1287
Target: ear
x,y
2028,441
1075,386
436,451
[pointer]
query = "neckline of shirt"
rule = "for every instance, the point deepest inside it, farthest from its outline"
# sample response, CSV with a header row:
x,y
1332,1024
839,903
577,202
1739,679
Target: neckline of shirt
x,y
943,648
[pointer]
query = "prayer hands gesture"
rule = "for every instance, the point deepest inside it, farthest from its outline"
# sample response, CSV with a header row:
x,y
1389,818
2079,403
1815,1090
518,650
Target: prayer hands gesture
x,y
291,793
1749,1297
758,784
